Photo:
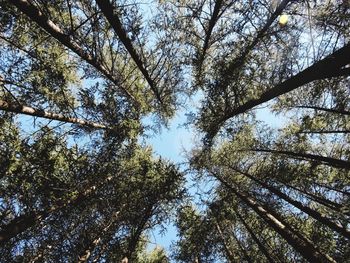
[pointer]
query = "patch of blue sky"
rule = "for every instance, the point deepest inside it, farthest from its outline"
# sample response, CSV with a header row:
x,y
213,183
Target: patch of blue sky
x,y
170,143
175,143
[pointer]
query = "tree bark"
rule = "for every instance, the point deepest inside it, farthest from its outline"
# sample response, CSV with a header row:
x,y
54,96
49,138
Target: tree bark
x,y
301,244
341,73
135,237
88,250
333,62
44,22
338,111
110,13
22,109
226,247
20,224
313,213
25,222
332,188
321,69
213,19
337,163
238,62
245,253
323,201
324,132
256,239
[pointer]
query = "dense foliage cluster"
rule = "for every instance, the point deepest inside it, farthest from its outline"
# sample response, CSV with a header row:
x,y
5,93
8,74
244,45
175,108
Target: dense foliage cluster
x,y
78,79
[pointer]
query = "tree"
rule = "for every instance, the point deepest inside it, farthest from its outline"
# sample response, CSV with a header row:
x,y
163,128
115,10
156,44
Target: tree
x,y
83,83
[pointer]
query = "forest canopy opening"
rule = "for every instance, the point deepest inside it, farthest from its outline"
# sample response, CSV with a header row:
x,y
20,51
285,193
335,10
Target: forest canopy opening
x,y
79,178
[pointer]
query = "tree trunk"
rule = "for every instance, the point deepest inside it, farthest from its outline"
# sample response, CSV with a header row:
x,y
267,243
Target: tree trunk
x,y
321,69
256,240
323,201
20,224
21,109
333,62
313,213
301,244
95,242
324,132
245,254
238,62
226,247
332,188
43,21
337,163
110,13
135,237
213,19
323,109
24,222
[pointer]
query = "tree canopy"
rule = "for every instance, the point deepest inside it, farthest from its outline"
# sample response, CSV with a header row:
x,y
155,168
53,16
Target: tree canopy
x,y
83,84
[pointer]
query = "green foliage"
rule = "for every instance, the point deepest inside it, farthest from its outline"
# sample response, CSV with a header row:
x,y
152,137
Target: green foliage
x,y
70,192
157,255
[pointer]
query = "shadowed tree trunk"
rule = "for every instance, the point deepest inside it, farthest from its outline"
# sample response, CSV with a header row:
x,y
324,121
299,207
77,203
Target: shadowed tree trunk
x,y
320,69
224,242
324,132
89,249
333,62
44,22
238,62
332,188
338,111
20,224
313,213
337,163
301,244
25,222
255,238
213,19
21,109
244,251
110,13
325,202
135,236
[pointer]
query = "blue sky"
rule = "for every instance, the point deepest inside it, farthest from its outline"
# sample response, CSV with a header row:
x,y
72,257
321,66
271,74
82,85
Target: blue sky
x,y
174,142
171,144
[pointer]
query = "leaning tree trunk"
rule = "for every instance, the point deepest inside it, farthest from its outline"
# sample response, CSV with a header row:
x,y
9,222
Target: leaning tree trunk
x,y
301,244
26,110
89,249
110,13
319,70
313,213
332,63
256,239
244,251
324,132
25,222
226,246
239,62
135,237
211,24
333,162
337,111
49,26
332,188
20,224
321,200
